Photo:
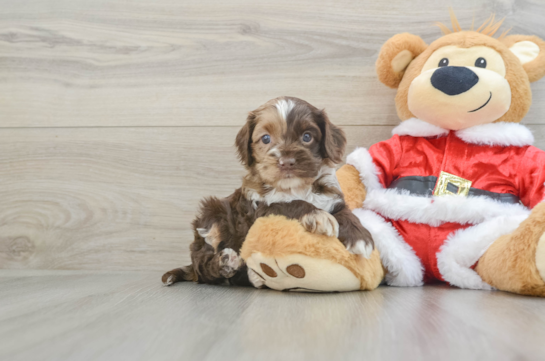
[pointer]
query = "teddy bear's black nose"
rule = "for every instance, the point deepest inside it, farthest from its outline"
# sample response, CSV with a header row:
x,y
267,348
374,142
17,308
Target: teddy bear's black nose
x,y
454,80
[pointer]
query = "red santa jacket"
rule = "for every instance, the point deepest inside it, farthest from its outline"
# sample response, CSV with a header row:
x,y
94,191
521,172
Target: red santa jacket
x,y
494,157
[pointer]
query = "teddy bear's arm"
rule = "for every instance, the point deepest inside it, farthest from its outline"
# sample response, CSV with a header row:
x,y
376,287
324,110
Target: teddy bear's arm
x,y
532,173
352,187
368,169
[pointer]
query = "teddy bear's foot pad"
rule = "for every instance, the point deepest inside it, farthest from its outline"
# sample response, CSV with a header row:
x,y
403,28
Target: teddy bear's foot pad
x,y
297,272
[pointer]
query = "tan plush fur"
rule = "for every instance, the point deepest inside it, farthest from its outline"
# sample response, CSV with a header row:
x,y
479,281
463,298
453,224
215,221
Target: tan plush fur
x,y
535,68
390,50
521,96
353,189
276,236
510,263
517,75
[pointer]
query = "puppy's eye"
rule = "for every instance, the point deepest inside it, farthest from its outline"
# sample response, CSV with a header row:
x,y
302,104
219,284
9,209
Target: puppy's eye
x,y
307,137
443,62
266,139
481,63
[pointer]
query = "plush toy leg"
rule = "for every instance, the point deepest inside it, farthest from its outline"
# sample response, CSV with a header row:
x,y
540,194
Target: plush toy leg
x,y
296,272
516,262
289,258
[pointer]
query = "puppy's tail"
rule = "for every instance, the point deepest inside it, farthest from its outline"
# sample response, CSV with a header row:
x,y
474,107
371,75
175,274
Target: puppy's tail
x,y
186,273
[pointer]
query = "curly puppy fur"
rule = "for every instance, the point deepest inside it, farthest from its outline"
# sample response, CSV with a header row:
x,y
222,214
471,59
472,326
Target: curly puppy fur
x,y
289,149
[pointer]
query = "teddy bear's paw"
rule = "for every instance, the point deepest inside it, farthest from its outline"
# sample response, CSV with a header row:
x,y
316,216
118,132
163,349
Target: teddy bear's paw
x,y
301,273
540,257
255,279
321,222
229,262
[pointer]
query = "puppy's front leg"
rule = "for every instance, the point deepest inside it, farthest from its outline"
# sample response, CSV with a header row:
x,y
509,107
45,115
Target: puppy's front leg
x,y
214,267
210,263
313,219
229,261
352,234
320,222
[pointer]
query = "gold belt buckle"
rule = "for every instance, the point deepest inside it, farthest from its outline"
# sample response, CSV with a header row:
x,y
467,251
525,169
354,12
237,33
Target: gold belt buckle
x,y
445,179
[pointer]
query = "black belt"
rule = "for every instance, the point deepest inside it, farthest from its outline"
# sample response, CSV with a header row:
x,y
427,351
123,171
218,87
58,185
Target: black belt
x,y
424,186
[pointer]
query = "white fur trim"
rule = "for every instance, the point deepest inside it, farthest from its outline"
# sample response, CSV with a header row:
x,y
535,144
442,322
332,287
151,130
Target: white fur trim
x,y
503,134
419,128
363,162
463,249
401,205
493,134
404,267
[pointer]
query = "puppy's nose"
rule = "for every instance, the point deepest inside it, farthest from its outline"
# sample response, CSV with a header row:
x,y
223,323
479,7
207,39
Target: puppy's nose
x,y
286,163
454,80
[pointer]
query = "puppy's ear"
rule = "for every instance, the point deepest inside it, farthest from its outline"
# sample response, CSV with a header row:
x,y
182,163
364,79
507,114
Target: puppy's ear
x,y
530,50
396,55
243,141
333,139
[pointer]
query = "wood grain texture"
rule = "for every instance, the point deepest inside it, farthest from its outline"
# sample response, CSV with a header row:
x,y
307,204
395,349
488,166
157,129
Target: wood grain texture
x,y
77,315
118,117
66,63
114,198
117,198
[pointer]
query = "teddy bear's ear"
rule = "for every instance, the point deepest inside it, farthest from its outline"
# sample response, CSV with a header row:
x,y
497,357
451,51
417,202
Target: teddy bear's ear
x,y
530,50
396,55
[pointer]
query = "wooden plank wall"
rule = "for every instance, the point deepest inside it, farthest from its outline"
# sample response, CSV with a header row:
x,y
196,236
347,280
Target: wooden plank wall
x,y
116,117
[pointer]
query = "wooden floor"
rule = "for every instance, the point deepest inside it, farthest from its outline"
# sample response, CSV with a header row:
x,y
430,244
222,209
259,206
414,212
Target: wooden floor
x,y
117,117
85,315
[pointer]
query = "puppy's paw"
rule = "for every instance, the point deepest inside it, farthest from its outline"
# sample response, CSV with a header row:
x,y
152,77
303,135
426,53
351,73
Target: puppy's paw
x,y
230,262
361,247
356,238
168,279
321,222
255,279
179,275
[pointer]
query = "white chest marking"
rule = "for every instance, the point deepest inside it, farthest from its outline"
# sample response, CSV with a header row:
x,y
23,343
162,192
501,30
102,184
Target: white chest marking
x,y
325,202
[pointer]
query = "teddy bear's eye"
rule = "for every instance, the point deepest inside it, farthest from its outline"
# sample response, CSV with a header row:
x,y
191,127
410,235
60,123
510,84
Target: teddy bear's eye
x,y
266,139
443,62
481,63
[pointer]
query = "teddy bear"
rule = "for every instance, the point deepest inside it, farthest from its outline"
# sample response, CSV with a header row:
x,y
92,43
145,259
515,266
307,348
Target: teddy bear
x,y
457,193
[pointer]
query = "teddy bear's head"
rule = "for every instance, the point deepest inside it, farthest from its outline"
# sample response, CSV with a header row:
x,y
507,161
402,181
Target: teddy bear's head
x,y
464,78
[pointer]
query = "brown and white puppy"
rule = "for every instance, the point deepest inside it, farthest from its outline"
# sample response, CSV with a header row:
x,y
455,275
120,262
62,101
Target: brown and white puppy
x,y
290,149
